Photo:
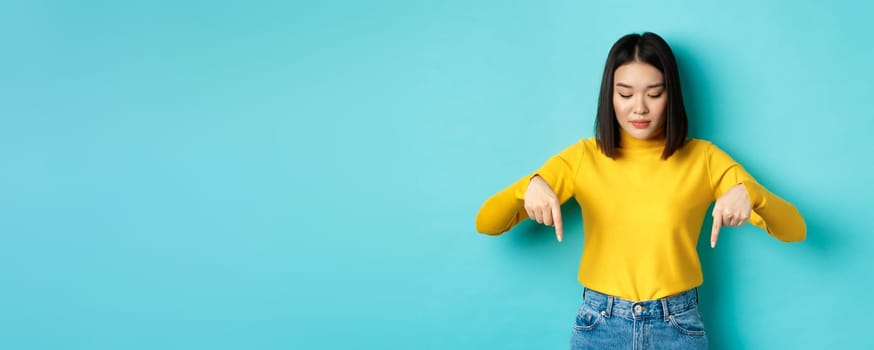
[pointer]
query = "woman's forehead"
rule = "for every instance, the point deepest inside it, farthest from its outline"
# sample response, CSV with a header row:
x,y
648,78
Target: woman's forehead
x,y
637,74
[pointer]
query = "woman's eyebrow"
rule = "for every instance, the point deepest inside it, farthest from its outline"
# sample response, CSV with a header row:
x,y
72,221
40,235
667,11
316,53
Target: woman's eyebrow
x,y
648,87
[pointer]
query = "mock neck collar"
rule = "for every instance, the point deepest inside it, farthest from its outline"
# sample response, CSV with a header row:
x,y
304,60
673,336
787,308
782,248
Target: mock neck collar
x,y
628,142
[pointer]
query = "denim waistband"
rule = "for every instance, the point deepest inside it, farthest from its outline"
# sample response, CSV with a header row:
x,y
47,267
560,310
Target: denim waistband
x,y
663,307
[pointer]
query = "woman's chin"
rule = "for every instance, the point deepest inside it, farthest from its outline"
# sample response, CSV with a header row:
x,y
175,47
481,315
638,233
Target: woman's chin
x,y
642,134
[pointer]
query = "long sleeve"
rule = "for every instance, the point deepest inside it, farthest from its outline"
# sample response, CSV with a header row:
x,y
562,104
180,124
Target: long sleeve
x,y
505,209
775,215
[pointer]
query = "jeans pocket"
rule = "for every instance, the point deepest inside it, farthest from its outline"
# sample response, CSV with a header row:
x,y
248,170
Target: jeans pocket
x,y
688,322
587,318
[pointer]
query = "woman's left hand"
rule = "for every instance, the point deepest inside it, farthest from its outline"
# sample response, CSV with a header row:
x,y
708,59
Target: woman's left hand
x,y
732,209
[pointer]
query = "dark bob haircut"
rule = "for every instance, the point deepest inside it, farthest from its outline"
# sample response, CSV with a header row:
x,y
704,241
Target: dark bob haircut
x,y
651,49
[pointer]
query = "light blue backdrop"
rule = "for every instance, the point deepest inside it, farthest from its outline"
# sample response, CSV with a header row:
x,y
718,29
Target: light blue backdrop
x,y
305,175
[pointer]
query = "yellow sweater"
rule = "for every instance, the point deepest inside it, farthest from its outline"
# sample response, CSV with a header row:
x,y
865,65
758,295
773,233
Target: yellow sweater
x,y
641,214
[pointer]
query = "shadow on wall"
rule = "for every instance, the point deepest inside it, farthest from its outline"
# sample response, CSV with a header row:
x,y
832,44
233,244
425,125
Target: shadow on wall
x,y
717,296
717,293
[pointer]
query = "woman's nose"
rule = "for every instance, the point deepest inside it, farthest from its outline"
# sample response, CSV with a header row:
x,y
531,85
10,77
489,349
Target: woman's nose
x,y
640,106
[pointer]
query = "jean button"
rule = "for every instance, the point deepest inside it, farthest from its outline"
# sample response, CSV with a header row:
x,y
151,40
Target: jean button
x,y
639,308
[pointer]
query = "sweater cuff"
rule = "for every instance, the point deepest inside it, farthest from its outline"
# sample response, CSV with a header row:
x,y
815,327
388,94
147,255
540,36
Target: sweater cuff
x,y
522,185
756,193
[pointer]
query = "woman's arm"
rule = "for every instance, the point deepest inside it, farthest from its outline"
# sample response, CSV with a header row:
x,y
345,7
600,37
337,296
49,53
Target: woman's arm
x,y
505,209
771,213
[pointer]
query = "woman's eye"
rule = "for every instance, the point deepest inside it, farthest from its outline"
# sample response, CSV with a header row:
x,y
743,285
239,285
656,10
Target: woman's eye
x,y
655,96
624,96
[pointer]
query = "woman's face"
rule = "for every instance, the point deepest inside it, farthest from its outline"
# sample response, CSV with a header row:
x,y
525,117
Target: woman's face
x,y
639,99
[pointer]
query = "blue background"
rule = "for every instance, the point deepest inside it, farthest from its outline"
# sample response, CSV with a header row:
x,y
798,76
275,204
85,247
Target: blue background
x,y
305,175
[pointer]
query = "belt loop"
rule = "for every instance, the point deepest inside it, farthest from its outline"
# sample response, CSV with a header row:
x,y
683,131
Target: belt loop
x,y
697,297
665,310
609,305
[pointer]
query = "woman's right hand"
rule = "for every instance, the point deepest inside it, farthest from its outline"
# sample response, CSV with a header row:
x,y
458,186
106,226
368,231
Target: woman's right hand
x,y
542,205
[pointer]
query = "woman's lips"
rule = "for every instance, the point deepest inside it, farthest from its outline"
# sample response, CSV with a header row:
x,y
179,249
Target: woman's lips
x,y
640,124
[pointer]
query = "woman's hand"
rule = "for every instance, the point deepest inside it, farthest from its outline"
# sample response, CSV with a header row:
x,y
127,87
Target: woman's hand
x,y
543,206
732,209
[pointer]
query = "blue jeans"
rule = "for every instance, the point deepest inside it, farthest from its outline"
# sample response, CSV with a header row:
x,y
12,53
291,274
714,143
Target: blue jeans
x,y
607,322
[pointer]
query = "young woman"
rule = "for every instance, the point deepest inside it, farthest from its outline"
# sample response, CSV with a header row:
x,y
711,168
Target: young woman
x,y
643,189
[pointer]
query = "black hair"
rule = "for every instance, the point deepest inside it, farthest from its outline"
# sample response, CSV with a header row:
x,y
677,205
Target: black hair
x,y
651,49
